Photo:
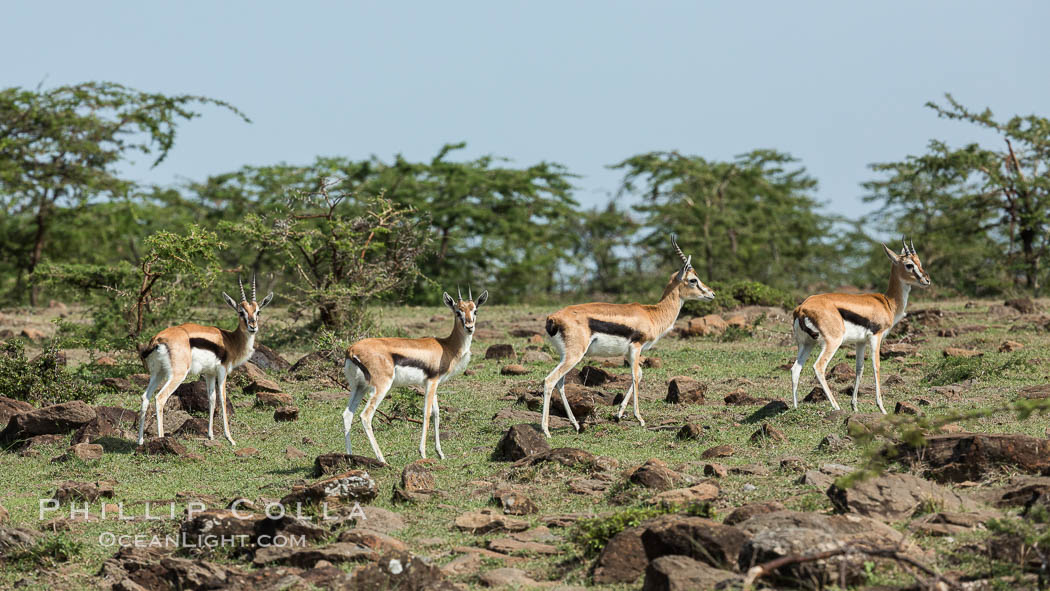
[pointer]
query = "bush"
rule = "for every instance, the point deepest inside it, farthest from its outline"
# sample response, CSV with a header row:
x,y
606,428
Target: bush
x,y
42,380
730,296
50,550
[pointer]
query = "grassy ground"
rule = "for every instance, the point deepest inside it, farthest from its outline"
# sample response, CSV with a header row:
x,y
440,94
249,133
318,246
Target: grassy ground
x,y
469,435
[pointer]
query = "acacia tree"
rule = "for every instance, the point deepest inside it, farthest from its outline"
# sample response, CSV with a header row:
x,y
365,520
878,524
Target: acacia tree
x,y
988,210
340,252
751,217
60,148
489,222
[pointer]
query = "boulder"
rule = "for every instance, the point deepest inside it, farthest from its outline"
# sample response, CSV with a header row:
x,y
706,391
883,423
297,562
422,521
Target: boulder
x,y
842,372
161,446
690,431
514,502
268,359
682,573
715,470
906,408
718,451
770,410
896,497
521,441
514,369
623,558
583,401
698,493
10,407
891,350
714,324
768,434
961,353
328,464
273,399
741,398
1018,491
486,521
1022,305
513,546
286,413
81,451
654,474
349,486
82,491
536,357
54,419
594,376
1010,346
193,397
705,540
376,540
173,421
308,556
834,442
685,390
500,351
566,456
399,571
959,457
745,512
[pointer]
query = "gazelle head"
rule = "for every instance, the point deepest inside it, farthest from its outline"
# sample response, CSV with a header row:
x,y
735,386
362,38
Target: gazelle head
x,y
908,266
248,310
466,310
689,285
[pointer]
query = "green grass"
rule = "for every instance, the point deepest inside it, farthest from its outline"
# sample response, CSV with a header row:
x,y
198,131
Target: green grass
x,y
751,362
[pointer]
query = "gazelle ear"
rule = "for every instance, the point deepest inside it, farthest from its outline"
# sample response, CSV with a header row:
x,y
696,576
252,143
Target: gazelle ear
x,y
484,297
892,255
451,303
266,301
229,301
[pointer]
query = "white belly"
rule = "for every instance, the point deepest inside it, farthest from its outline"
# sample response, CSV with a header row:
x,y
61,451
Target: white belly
x,y
203,361
408,376
855,334
607,345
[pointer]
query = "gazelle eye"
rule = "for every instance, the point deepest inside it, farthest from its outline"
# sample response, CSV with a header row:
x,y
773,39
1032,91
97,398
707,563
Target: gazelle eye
x,y
909,267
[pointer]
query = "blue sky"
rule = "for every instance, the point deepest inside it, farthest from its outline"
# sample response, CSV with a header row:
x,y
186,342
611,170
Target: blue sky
x,y
837,84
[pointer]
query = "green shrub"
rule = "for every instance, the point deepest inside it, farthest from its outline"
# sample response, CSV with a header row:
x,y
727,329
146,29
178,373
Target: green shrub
x,y
42,380
730,296
593,534
50,550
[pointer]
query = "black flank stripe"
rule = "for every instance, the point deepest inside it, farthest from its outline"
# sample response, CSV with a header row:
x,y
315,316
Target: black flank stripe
x,y
615,329
859,320
806,329
147,352
207,345
409,362
361,366
552,328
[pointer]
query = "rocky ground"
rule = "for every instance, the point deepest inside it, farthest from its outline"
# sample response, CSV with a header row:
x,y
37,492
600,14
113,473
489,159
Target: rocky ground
x,y
727,486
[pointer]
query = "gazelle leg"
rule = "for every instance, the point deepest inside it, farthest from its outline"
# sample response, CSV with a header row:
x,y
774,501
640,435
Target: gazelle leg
x,y
151,389
830,346
876,362
428,405
179,375
221,379
626,400
437,425
565,403
210,381
636,375
357,391
381,388
550,382
804,349
861,350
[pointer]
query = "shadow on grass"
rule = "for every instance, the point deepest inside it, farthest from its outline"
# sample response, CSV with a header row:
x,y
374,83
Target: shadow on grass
x,y
116,445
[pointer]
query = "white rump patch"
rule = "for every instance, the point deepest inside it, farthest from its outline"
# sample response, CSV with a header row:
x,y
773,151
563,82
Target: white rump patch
x,y
607,345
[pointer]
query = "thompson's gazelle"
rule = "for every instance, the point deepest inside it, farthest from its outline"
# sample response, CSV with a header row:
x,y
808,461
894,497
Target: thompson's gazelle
x,y
376,365
835,319
190,350
601,330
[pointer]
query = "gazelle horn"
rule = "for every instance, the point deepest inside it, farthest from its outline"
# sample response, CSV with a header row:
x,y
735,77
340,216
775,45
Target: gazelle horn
x,y
244,298
460,290
253,286
913,247
470,294
681,255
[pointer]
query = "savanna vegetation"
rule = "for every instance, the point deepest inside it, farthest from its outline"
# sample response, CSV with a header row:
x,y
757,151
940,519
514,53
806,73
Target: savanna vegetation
x,y
92,264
